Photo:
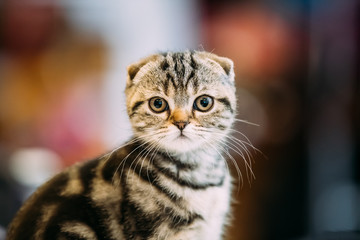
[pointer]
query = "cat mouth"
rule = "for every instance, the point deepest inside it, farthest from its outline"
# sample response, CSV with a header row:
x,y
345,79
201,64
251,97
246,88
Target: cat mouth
x,y
182,136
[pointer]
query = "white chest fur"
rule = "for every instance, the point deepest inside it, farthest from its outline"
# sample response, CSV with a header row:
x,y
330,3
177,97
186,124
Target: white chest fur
x,y
213,204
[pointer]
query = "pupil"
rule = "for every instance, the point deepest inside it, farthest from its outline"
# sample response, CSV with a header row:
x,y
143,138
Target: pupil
x,y
204,102
158,103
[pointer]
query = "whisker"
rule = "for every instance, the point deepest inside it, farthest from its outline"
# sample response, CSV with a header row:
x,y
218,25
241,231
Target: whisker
x,y
157,147
247,139
238,146
247,122
123,161
242,143
139,156
238,171
151,148
149,145
108,155
248,166
236,142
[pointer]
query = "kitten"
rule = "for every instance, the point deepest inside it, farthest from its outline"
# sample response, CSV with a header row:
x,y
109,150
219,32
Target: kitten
x,y
169,182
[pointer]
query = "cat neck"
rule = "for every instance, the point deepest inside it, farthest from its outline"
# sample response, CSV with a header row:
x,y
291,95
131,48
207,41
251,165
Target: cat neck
x,y
198,168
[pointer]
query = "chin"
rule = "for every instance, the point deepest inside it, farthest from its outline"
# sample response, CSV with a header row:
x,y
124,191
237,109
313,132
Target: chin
x,y
181,144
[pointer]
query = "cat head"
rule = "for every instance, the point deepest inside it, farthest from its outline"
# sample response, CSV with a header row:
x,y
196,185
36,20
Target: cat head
x,y
180,102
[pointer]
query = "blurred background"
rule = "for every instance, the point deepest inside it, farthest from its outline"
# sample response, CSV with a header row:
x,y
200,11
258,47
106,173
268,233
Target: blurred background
x,y
297,62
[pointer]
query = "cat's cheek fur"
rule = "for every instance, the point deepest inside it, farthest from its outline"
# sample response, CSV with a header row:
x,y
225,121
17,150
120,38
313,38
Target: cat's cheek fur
x,y
147,122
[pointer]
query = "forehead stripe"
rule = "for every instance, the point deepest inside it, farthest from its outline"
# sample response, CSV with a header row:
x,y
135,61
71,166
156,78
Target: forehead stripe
x,y
193,64
171,79
192,73
179,65
164,65
191,76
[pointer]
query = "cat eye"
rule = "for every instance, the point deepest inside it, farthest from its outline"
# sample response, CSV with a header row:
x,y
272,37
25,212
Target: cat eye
x,y
158,104
203,103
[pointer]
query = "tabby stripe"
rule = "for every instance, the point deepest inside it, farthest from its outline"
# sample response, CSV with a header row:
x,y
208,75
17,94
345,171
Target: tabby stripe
x,y
221,127
135,107
71,236
179,65
134,218
176,68
193,64
166,87
141,129
191,76
137,222
179,165
112,163
87,174
24,230
80,209
150,176
195,67
226,102
171,79
187,183
178,221
192,73
164,65
196,84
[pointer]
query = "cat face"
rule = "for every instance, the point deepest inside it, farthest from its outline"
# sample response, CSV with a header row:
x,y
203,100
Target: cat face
x,y
179,102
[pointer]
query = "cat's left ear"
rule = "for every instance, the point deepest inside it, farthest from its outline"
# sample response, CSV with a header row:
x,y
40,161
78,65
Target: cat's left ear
x,y
226,63
134,68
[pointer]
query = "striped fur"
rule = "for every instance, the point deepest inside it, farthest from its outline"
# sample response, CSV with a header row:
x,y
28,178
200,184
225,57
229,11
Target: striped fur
x,y
168,182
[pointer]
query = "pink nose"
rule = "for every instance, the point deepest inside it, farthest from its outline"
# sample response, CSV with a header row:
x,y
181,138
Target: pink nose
x,y
181,124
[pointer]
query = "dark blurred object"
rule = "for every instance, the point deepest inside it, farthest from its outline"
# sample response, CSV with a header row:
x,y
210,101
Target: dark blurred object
x,y
10,192
9,201
337,236
268,50
296,64
333,192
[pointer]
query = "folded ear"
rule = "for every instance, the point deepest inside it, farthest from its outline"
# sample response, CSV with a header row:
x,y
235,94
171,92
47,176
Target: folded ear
x,y
134,68
224,62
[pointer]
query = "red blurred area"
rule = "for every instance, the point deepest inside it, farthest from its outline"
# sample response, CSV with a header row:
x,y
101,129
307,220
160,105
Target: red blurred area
x,y
29,26
262,44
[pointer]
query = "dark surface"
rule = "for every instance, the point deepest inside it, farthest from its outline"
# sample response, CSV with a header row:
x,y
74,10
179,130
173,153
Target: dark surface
x,y
336,236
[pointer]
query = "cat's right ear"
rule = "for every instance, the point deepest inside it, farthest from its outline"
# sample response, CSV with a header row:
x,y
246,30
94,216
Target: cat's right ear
x,y
226,64
134,68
